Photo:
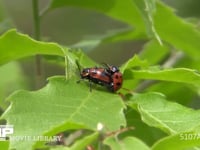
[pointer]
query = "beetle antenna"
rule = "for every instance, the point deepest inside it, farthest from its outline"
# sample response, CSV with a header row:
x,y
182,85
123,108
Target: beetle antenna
x,y
105,64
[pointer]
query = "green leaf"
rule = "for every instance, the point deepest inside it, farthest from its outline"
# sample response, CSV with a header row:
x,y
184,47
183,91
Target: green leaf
x,y
178,75
170,117
147,8
134,62
14,45
4,145
182,75
82,58
128,143
84,142
154,53
166,25
178,142
61,105
179,33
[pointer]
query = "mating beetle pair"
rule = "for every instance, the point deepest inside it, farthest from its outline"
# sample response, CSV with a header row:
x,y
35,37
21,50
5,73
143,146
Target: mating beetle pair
x,y
108,76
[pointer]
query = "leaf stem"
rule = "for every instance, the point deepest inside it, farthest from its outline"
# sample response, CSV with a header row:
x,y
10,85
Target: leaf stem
x,y
37,36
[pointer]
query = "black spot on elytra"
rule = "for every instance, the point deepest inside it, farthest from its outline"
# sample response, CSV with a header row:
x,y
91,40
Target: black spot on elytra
x,y
117,77
118,83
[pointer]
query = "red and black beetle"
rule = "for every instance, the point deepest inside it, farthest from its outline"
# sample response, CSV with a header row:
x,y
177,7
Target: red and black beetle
x,y
108,76
117,81
116,77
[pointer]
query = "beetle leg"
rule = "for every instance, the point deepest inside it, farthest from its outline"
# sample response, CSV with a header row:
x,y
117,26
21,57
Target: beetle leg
x,y
90,84
79,81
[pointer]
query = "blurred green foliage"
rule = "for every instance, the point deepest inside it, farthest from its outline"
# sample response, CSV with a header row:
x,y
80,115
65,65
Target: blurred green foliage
x,y
155,45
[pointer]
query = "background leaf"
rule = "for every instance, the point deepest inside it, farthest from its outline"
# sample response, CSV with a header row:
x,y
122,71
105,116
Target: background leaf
x,y
154,53
59,106
112,8
10,81
147,8
170,28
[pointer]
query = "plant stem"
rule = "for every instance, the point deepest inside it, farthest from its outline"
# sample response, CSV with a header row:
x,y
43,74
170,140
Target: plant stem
x,y
37,36
36,19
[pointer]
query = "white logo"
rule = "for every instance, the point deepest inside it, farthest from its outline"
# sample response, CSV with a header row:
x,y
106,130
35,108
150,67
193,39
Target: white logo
x,y
5,130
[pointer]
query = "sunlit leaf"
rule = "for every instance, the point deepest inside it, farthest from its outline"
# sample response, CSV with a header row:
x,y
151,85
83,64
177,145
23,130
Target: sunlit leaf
x,y
61,105
170,117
